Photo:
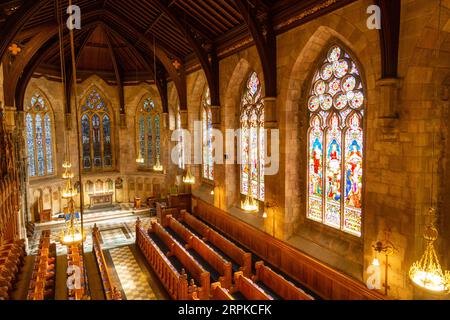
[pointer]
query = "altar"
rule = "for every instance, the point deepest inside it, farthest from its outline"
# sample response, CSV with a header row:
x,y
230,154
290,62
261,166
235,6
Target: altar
x,y
101,200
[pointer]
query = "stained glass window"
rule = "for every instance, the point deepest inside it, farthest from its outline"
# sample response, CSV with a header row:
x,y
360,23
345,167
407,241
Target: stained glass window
x,y
335,143
96,132
208,161
148,132
39,126
252,139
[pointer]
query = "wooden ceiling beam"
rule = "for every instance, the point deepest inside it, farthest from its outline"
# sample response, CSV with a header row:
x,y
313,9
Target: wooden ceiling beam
x,y
389,36
204,51
16,21
117,72
261,29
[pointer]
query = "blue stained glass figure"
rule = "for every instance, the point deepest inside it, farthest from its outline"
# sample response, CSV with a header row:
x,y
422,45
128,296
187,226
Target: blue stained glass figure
x,y
30,146
40,146
142,136
48,143
85,139
107,141
96,141
149,140
157,136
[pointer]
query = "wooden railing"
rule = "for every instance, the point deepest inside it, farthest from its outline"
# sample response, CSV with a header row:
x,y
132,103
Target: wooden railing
x,y
175,283
242,258
311,273
249,289
12,254
282,287
192,266
75,258
42,283
222,266
110,290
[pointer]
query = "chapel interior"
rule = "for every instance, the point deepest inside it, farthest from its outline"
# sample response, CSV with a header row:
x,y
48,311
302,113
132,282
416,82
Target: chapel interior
x,y
224,150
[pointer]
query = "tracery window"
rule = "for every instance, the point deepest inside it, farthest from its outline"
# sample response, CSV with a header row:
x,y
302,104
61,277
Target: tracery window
x,y
208,161
149,132
335,143
39,137
252,139
96,132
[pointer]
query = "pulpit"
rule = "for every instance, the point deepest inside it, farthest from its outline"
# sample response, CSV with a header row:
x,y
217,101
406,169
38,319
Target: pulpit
x,y
100,200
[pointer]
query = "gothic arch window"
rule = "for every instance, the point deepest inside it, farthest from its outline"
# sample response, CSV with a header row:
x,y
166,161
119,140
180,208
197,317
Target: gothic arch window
x,y
39,137
335,143
208,161
252,139
148,125
96,132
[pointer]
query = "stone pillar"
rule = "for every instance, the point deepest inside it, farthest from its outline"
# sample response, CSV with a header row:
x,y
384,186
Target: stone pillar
x,y
219,169
388,115
123,120
274,224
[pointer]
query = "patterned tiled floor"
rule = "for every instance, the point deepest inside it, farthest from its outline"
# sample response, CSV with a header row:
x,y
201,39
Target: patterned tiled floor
x,y
118,233
132,279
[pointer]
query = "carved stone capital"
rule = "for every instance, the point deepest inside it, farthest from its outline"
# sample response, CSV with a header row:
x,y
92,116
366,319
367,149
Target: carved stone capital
x,y
68,121
184,118
9,118
270,112
165,120
123,121
216,117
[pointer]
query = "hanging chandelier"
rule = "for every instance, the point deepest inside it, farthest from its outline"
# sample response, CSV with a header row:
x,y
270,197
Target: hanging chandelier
x,y
250,204
158,166
189,178
427,272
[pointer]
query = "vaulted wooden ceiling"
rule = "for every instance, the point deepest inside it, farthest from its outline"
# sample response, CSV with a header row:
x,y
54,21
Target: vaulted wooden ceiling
x,y
119,38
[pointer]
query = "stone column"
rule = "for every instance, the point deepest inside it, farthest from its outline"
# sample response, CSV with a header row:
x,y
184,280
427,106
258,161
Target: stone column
x,y
274,224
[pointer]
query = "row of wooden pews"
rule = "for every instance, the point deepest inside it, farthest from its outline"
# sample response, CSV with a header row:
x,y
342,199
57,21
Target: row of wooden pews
x,y
109,289
205,254
175,283
243,288
198,277
43,278
76,273
218,267
12,255
237,255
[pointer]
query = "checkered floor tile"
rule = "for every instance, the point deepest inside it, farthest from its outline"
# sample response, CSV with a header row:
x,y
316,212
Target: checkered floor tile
x,y
133,281
114,236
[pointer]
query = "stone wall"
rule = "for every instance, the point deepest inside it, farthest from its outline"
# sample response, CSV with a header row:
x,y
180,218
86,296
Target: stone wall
x,y
399,155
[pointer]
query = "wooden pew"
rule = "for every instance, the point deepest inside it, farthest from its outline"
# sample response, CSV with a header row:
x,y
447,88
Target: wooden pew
x,y
248,288
219,293
12,255
323,280
110,290
242,258
193,267
75,258
222,266
42,283
175,283
285,289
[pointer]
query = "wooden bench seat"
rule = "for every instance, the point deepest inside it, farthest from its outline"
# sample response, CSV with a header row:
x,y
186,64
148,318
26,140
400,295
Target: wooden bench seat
x,y
232,251
175,283
247,288
219,268
201,276
279,285
219,293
